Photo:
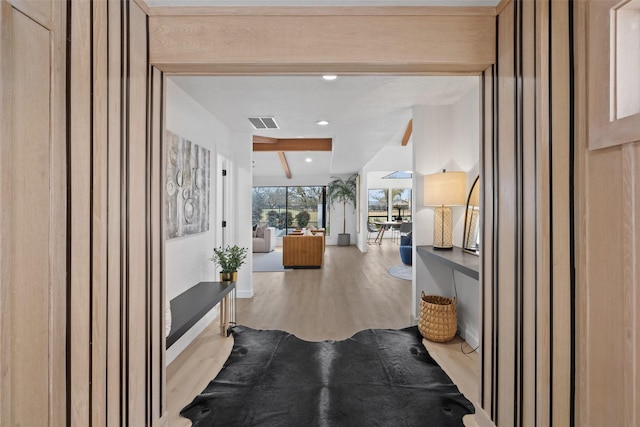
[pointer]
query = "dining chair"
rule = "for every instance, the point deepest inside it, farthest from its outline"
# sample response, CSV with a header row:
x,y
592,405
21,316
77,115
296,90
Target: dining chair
x,y
404,229
395,232
371,228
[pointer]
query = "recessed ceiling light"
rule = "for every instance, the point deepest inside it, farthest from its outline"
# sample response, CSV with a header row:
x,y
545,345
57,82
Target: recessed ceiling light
x,y
330,77
322,122
308,160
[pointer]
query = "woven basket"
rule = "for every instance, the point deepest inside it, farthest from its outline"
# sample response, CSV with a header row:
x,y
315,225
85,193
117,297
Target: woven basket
x,y
438,320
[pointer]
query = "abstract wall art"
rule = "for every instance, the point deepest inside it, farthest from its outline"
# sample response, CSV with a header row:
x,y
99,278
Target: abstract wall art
x,y
187,186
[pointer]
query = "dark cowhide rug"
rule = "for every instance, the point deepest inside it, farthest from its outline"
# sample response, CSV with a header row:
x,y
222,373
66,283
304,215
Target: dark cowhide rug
x,y
378,377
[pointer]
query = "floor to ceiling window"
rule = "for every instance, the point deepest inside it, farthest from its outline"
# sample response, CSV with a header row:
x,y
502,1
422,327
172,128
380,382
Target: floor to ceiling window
x,y
288,208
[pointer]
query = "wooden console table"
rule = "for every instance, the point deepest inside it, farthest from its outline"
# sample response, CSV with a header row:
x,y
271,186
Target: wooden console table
x,y
191,305
455,258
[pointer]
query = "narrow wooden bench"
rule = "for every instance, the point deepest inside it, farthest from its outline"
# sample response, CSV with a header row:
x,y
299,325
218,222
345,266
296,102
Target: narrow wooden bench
x,y
191,305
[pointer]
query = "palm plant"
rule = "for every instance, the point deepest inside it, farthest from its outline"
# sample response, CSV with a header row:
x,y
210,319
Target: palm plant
x,y
343,191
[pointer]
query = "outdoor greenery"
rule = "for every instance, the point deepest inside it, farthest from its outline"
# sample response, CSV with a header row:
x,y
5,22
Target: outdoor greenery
x,y
343,191
279,207
230,258
303,218
381,199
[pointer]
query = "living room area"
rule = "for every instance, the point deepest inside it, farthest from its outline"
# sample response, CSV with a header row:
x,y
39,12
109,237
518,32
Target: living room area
x,y
352,290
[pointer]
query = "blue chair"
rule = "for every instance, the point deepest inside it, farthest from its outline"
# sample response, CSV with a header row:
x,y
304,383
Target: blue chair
x,y
405,249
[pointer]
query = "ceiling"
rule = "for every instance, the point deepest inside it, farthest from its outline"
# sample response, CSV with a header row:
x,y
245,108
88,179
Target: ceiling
x,y
365,113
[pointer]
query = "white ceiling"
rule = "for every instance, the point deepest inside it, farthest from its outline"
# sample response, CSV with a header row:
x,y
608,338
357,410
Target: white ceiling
x,y
365,112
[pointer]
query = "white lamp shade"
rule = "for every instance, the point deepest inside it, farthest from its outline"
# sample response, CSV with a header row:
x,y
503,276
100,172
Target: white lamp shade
x,y
445,189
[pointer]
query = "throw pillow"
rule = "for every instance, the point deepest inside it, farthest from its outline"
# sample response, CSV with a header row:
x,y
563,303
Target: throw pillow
x,y
308,233
255,227
260,231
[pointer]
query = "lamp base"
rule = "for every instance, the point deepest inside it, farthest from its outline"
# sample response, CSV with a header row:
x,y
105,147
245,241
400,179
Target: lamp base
x,y
443,228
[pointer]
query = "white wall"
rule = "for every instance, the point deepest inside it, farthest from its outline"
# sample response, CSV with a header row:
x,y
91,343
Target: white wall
x,y
239,219
187,258
446,137
393,157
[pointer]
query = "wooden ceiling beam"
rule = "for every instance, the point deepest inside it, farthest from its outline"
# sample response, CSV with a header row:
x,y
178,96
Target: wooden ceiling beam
x,y
407,133
285,165
257,139
292,144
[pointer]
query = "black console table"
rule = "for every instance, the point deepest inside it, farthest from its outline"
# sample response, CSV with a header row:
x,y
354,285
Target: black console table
x,y
191,305
455,258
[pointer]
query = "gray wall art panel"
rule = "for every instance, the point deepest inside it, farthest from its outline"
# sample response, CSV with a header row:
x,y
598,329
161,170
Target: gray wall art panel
x,y
188,188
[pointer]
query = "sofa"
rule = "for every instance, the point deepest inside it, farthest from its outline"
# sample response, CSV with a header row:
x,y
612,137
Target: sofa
x,y
264,239
303,251
405,249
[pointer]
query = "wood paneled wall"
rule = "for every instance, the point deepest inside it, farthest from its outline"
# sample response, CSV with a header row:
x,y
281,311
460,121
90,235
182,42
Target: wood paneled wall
x,y
607,240
115,290
33,255
527,168
81,295
310,40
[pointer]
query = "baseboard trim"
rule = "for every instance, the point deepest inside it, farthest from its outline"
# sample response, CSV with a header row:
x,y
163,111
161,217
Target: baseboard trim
x,y
183,342
244,294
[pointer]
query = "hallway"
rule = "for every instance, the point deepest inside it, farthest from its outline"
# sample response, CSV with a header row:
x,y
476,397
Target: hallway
x,y
351,292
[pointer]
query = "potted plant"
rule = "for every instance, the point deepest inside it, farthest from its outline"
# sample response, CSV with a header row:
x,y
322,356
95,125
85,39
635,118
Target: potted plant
x,y
229,259
343,191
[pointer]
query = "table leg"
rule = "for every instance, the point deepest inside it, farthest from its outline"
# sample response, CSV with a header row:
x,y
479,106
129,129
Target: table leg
x,y
383,228
223,315
378,238
227,318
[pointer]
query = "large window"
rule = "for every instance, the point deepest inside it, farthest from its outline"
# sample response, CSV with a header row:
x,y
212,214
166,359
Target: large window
x,y
378,205
389,204
288,208
401,204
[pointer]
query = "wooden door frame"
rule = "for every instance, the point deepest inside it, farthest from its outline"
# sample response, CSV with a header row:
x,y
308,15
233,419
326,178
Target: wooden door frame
x,y
363,57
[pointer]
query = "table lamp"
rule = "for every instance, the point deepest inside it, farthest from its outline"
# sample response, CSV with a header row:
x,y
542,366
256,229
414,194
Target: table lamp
x,y
443,190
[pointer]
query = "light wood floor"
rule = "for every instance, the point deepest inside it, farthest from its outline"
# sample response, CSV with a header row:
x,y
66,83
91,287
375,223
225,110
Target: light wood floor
x,y
351,292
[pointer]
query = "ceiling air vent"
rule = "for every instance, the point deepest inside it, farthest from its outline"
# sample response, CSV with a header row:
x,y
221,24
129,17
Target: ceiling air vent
x,y
263,122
